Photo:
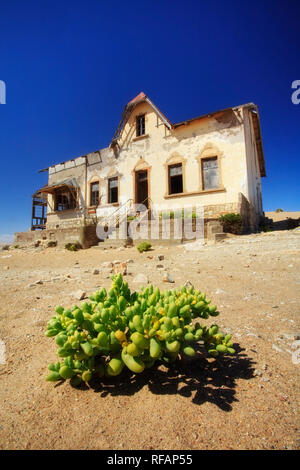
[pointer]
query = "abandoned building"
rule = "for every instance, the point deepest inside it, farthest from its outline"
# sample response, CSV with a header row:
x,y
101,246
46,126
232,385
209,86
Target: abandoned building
x,y
214,160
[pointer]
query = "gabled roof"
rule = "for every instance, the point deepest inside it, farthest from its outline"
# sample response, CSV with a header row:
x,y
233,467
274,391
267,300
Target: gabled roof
x,y
140,98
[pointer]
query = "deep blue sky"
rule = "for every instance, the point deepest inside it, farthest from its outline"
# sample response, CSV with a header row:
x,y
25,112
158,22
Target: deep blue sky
x,y
70,67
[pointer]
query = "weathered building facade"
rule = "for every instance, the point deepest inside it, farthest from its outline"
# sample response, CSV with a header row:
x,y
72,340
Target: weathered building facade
x,y
215,161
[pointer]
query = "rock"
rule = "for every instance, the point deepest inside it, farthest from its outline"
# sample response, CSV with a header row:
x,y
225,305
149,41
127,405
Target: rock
x,y
188,284
141,278
107,264
6,256
130,261
39,282
220,291
257,373
295,345
160,266
120,268
274,346
39,323
167,278
2,352
296,357
80,295
95,271
6,268
159,257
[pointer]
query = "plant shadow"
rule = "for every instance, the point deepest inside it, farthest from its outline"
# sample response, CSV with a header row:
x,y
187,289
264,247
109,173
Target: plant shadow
x,y
202,379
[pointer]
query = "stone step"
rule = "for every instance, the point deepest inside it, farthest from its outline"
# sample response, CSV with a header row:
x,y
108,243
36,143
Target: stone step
x,y
218,237
211,229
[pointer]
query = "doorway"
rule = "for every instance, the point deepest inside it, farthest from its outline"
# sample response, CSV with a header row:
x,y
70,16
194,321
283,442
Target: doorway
x,y
141,188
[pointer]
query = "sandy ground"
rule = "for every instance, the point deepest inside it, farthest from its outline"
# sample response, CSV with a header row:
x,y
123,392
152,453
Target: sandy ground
x,y
250,401
278,216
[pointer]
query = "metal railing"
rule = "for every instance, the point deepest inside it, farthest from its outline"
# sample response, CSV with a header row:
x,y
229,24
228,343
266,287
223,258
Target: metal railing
x,y
118,216
113,217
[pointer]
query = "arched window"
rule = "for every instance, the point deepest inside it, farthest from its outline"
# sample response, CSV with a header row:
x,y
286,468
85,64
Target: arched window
x,y
210,168
94,193
175,174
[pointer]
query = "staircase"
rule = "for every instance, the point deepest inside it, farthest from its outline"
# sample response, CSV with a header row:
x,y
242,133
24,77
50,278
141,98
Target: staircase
x,y
116,225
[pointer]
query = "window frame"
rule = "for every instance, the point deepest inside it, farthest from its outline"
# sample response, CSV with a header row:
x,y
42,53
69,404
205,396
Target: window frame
x,y
109,189
92,204
70,205
205,159
138,130
175,165
210,150
173,160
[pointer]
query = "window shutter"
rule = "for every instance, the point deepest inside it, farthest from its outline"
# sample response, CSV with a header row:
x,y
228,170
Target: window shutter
x,y
210,173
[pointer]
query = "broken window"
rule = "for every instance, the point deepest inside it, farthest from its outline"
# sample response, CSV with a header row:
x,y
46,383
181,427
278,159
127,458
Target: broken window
x,y
140,125
210,173
39,211
175,179
64,200
113,190
95,194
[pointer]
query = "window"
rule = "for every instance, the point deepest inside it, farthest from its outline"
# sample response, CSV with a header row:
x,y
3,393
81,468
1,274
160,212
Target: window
x,y
210,173
175,179
113,190
95,194
64,201
140,125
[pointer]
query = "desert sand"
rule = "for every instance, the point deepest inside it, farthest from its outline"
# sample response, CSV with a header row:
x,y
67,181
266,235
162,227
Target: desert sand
x,y
249,401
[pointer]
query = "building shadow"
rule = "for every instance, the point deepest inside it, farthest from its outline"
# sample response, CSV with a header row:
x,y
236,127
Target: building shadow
x,y
287,224
201,379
